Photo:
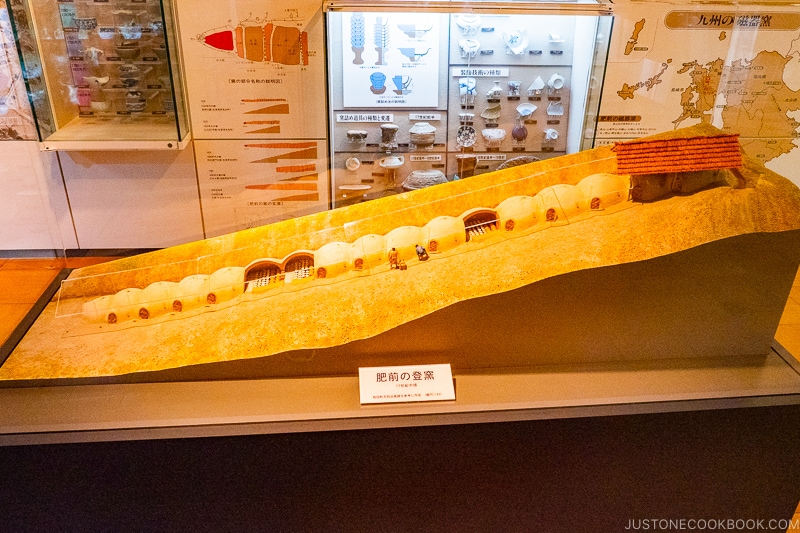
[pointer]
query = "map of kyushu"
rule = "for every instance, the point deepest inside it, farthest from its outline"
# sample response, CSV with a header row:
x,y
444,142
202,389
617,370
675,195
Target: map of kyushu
x,y
753,97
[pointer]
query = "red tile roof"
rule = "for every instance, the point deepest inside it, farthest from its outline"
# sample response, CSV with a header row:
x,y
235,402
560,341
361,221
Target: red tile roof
x,y
678,155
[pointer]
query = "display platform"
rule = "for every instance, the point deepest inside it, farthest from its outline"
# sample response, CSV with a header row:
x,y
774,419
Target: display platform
x,y
648,275
87,413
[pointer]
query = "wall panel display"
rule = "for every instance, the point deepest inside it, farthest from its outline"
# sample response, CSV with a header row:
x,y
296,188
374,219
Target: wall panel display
x,y
422,97
16,119
102,75
247,184
254,69
395,60
735,68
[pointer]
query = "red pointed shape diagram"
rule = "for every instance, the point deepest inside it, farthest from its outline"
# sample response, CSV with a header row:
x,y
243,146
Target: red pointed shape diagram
x,y
221,40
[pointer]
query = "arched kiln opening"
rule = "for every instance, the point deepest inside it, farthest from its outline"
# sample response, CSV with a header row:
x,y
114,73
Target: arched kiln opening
x,y
262,274
301,264
480,223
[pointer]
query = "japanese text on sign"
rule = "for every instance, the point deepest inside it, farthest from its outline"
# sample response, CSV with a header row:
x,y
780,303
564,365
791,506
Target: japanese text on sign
x,y
406,384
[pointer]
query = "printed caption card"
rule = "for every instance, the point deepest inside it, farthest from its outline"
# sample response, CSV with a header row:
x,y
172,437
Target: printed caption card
x,y
412,383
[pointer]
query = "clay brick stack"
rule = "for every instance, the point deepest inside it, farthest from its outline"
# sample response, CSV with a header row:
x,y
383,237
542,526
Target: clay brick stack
x,y
678,155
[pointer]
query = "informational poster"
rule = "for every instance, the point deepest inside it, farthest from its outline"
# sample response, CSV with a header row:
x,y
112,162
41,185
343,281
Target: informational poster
x,y
16,119
247,184
674,66
390,59
254,69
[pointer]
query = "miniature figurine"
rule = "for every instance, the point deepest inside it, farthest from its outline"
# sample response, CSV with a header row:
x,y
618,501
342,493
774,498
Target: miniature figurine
x,y
421,253
393,259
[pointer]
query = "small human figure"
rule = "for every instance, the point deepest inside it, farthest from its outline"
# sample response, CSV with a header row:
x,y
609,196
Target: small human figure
x,y
393,257
421,253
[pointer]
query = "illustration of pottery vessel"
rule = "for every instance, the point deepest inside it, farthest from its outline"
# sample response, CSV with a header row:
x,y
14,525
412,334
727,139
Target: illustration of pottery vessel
x,y
268,43
413,54
413,31
378,82
381,39
357,37
404,84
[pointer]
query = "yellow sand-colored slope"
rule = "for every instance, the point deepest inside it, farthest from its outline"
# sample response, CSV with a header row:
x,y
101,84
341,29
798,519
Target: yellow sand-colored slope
x,y
326,313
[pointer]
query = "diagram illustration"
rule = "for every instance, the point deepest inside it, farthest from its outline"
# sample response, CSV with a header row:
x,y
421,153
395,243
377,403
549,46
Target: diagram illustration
x,y
306,150
264,106
381,39
261,43
383,57
269,106
303,184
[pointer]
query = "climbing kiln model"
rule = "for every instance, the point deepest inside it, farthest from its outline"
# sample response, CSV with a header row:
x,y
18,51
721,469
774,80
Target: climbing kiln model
x,y
691,258
653,169
556,204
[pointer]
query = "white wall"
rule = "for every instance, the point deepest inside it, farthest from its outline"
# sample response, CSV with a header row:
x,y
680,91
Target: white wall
x,y
34,213
133,199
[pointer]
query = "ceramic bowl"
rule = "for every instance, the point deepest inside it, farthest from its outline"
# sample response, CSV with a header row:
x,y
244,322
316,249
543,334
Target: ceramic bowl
x,y
131,31
420,179
392,161
422,140
493,137
128,53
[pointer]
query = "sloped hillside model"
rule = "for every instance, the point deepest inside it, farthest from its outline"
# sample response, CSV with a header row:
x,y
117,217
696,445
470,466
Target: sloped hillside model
x,y
618,253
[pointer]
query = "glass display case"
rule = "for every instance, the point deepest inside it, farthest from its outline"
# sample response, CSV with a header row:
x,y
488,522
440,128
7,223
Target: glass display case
x,y
429,92
102,75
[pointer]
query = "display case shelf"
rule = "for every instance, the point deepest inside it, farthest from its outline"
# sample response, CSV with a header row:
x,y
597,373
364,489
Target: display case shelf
x,y
102,75
451,90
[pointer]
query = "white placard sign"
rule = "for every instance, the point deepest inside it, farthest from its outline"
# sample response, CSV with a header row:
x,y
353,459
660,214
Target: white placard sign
x,y
364,117
424,116
413,383
479,72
